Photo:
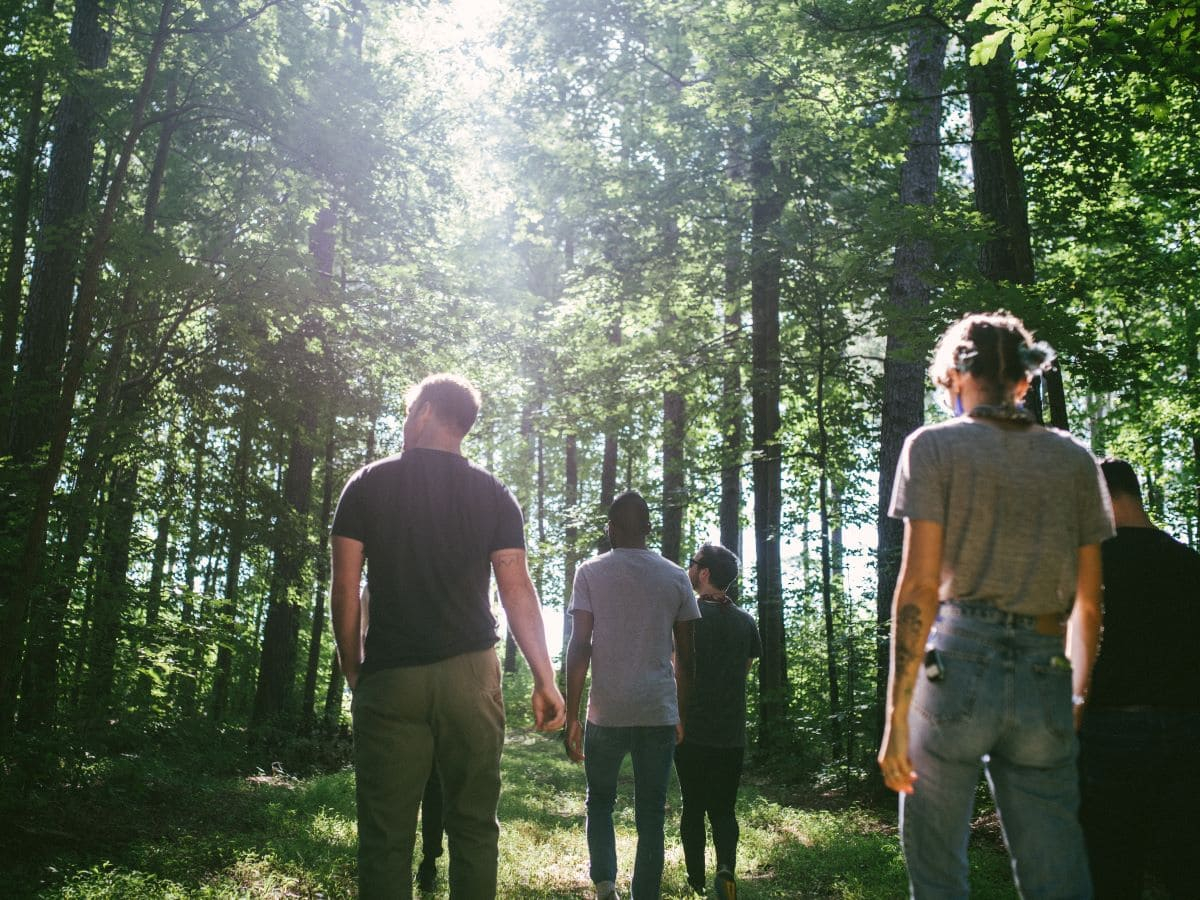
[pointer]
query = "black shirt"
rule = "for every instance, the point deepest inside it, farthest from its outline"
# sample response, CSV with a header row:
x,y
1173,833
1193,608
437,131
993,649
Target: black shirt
x,y
1151,622
428,521
726,641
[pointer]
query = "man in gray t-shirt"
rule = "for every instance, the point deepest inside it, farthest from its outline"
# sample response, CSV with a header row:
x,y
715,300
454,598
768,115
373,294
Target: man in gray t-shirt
x,y
631,610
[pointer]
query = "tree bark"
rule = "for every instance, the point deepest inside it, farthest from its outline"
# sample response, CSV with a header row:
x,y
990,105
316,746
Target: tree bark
x,y
322,587
765,276
571,535
674,487
903,385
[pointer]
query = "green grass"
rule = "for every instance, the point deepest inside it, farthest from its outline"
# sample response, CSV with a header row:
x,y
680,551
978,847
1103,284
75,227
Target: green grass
x,y
145,826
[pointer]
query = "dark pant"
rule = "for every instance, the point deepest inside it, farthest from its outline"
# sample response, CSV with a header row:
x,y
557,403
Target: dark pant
x,y
1140,790
404,719
708,780
431,817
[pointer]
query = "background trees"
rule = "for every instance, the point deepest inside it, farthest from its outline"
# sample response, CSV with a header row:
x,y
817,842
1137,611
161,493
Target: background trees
x,y
697,249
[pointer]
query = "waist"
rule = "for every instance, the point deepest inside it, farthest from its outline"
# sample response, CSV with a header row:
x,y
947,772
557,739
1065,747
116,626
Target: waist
x,y
1053,624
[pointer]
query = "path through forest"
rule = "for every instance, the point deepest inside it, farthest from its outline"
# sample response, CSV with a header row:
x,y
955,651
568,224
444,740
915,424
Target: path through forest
x,y
137,826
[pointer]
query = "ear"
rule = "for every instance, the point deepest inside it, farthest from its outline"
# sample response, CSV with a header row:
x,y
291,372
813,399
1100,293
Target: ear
x,y
1020,389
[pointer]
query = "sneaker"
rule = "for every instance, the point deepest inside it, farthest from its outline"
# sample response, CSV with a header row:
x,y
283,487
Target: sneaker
x,y
725,886
607,890
427,875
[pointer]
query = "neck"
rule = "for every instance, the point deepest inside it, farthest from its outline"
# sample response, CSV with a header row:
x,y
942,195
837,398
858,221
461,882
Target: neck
x,y
628,544
436,440
1128,512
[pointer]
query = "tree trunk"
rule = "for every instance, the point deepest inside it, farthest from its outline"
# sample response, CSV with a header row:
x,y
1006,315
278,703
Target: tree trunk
x,y
318,619
823,464
51,289
28,149
112,594
733,424
1007,255
903,385
154,593
674,488
765,275
226,611
570,502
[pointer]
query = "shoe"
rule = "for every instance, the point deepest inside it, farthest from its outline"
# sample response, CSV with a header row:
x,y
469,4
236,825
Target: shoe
x,y
427,875
607,890
725,886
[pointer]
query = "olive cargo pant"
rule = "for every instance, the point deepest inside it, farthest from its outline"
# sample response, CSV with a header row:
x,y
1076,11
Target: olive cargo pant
x,y
404,719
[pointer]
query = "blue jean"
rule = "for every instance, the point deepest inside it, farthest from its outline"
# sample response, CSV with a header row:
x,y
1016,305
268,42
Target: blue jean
x,y
1140,790
605,748
1003,704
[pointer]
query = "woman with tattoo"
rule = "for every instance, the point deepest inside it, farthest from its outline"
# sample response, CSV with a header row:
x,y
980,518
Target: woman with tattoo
x,y
995,620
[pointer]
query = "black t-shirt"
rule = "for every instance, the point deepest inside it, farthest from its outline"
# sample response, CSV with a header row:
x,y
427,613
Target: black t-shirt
x,y
726,641
429,522
1151,622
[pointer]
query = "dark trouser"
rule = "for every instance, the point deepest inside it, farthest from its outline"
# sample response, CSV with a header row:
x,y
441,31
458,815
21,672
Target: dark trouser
x,y
708,780
405,719
1140,790
431,816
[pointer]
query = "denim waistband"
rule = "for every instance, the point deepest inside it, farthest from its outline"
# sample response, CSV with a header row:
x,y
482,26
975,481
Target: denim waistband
x,y
1045,624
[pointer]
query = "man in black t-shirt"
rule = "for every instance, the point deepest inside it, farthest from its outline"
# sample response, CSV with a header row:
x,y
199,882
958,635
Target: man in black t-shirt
x,y
432,528
1141,724
709,761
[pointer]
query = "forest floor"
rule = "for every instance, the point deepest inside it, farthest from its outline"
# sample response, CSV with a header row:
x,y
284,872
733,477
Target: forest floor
x,y
140,825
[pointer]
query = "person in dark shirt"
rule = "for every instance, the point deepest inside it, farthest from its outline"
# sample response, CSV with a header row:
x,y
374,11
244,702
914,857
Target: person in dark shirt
x,y
432,528
1141,724
709,760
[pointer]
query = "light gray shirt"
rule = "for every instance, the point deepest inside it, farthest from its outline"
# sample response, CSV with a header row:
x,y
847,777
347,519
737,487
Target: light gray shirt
x,y
1015,504
635,598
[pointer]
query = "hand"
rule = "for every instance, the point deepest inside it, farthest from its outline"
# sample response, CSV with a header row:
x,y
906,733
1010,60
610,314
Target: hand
x,y
894,763
549,710
573,741
678,733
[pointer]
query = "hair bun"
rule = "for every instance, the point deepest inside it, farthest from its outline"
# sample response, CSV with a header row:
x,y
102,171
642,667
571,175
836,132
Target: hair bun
x,y
1036,357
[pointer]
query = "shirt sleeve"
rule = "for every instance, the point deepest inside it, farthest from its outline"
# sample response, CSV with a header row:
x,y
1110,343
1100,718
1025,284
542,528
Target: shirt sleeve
x,y
689,608
580,596
755,640
510,524
919,491
1095,506
350,518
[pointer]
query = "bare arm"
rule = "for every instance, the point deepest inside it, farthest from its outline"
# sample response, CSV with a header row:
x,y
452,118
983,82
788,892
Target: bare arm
x,y
524,612
914,608
685,670
579,659
345,608
1083,628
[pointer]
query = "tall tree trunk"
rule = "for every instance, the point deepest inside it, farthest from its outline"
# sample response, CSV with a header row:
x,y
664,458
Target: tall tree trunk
x,y
1007,255
570,502
733,425
765,276
112,594
183,687
823,465
227,606
903,385
277,667
674,490
318,619
154,592
28,149
48,311
55,408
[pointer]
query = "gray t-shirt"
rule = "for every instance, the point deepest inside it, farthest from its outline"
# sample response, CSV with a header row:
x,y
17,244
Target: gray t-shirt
x,y
635,598
1016,505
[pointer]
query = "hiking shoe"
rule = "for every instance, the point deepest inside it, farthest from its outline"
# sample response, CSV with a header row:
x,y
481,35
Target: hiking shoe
x,y
427,874
725,886
607,890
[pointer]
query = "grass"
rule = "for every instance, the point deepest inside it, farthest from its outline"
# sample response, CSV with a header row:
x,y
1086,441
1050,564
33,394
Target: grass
x,y
147,826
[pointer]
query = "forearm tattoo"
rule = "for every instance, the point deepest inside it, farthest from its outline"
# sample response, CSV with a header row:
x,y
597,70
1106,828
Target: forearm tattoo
x,y
908,637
